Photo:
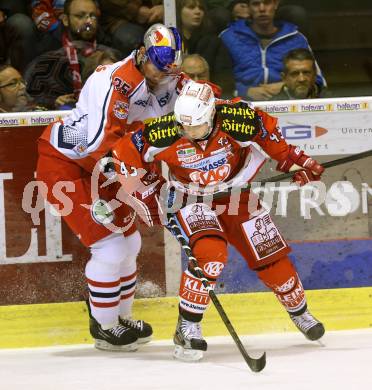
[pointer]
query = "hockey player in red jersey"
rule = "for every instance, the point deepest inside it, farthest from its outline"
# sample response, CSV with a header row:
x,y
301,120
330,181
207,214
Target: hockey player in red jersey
x,y
206,144
143,85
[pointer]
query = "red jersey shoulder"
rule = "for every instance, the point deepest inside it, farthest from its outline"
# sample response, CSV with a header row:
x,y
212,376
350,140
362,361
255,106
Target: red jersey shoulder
x,y
238,119
126,78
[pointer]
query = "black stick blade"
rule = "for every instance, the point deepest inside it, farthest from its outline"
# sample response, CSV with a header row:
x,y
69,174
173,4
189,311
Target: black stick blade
x,y
257,365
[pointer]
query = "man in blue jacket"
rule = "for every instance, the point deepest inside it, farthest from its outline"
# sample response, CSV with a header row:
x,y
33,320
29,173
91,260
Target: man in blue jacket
x,y
257,49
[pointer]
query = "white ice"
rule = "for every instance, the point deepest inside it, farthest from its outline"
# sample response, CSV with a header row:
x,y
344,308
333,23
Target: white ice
x,y
342,362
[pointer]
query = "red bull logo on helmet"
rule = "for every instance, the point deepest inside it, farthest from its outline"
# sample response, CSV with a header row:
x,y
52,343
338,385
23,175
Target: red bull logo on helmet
x,y
160,39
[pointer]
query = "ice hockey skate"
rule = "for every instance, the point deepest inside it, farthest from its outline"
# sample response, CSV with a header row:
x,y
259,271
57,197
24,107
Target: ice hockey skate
x,y
308,325
188,340
117,338
142,329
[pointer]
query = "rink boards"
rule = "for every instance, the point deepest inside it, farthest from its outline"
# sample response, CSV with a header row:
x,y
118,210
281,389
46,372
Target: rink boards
x,y
43,263
250,313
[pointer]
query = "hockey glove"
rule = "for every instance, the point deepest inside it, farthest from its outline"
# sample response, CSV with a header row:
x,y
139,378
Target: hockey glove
x,y
297,159
148,194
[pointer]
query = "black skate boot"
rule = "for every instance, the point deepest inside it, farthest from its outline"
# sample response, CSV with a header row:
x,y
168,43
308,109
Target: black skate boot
x,y
117,338
308,325
142,329
188,340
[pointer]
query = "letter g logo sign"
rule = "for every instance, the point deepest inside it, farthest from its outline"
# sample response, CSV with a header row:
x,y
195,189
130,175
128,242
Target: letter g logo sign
x,y
296,132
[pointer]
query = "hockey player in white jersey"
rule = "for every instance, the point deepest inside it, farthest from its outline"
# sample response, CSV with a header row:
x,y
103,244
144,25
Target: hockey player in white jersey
x,y
141,86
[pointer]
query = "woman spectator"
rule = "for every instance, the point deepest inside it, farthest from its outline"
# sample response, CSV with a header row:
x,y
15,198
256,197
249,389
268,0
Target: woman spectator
x,y
199,37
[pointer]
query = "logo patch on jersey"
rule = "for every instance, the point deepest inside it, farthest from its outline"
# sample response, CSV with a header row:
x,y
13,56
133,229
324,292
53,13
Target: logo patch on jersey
x,y
121,85
226,150
101,212
207,163
80,149
200,217
137,140
186,152
121,109
163,100
212,176
213,268
188,159
264,236
162,131
142,103
239,120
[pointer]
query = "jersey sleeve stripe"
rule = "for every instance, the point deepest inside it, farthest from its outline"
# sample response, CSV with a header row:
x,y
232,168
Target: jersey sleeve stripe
x,y
136,89
103,118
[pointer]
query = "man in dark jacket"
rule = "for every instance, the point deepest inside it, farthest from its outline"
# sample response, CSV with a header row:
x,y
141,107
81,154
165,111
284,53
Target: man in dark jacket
x,y
299,77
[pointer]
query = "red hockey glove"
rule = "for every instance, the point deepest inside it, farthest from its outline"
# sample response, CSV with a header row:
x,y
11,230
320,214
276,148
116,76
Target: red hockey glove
x,y
148,195
297,159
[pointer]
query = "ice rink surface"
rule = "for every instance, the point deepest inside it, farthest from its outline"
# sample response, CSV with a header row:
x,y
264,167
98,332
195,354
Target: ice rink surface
x,y
342,362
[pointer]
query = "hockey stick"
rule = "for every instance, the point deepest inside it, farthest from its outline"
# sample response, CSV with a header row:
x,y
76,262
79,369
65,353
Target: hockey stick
x,y
255,365
283,176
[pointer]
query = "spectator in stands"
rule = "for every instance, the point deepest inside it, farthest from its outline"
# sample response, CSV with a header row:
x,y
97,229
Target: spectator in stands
x,y
222,12
99,57
257,49
218,13
196,67
13,7
299,76
12,23
126,21
30,36
3,38
58,72
239,10
291,11
13,95
199,38
37,33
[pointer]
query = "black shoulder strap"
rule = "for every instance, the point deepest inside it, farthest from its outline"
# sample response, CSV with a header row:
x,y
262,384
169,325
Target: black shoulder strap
x,y
238,119
162,131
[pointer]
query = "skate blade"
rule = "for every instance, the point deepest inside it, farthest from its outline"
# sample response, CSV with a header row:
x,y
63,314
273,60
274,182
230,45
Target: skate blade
x,y
105,346
143,340
187,355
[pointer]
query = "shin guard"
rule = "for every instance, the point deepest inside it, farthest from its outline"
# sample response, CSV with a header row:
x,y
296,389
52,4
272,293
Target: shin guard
x,y
211,254
281,277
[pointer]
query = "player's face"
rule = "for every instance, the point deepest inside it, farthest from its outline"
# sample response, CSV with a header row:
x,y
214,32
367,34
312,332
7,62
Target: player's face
x,y
82,20
152,75
300,78
195,132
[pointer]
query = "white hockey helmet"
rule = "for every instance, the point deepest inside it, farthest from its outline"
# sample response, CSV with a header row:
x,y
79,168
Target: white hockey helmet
x,y
195,105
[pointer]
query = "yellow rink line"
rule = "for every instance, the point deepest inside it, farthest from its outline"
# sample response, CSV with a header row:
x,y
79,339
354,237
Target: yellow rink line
x,y
67,323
